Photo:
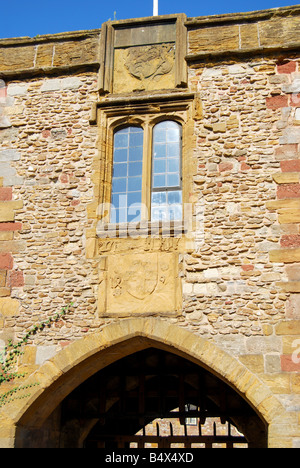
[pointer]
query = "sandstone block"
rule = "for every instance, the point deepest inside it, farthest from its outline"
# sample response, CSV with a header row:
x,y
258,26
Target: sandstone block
x,y
283,205
295,100
278,31
288,327
4,227
288,364
263,345
290,165
51,85
43,353
254,362
289,217
289,286
272,363
290,241
249,36
16,58
285,256
44,55
16,279
292,88
17,89
286,178
5,193
13,180
288,190
6,261
7,213
9,307
71,83
214,39
76,52
29,355
4,292
2,278
293,307
287,151
276,102
287,67
9,155
290,136
5,122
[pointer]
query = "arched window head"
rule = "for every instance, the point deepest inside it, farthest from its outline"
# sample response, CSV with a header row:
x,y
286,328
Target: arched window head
x,y
166,195
126,195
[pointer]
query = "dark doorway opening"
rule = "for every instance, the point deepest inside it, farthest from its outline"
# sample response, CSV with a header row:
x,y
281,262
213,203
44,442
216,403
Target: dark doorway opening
x,y
154,398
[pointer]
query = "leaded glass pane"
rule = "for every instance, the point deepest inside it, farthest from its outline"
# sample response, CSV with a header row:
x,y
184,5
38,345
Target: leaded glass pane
x,y
166,199
127,175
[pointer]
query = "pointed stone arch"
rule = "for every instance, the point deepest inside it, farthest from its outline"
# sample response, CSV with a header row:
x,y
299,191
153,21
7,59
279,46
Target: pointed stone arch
x,y
58,376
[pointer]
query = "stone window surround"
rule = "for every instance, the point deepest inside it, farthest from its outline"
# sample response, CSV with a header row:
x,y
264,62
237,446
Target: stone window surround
x,y
144,111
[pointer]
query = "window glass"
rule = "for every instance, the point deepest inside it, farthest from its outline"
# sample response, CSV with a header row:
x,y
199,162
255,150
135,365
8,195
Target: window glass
x,y
127,175
166,197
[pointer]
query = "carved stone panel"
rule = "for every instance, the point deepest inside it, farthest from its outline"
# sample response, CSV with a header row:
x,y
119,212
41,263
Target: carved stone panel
x,y
143,54
140,283
149,67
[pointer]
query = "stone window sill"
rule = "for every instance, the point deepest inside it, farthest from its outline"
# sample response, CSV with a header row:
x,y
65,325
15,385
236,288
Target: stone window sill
x,y
142,229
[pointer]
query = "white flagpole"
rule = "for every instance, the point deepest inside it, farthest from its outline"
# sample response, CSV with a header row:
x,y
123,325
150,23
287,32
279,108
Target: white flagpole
x,y
155,7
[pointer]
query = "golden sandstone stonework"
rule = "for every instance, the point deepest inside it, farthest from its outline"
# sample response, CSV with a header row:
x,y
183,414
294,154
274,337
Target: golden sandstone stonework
x,y
217,284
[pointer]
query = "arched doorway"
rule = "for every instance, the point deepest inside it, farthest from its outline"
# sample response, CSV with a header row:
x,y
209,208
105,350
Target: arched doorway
x,y
36,420
156,399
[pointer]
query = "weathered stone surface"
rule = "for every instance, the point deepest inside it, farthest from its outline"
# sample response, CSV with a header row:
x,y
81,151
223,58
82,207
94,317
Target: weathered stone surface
x,y
144,67
293,88
286,178
44,55
9,307
285,256
290,136
16,58
249,36
214,39
289,327
149,283
9,155
75,53
289,286
74,49
17,89
279,31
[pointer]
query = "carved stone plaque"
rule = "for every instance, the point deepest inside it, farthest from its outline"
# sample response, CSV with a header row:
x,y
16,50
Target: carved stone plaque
x,y
148,67
146,54
141,283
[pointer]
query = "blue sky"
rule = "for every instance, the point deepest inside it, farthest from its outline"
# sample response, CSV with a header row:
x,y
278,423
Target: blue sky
x,y
32,17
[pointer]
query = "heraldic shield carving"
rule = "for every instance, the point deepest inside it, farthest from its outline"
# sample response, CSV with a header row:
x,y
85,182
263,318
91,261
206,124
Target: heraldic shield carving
x,y
142,283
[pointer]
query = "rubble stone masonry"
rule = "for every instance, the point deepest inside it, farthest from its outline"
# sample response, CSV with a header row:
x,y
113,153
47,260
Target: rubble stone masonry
x,y
240,283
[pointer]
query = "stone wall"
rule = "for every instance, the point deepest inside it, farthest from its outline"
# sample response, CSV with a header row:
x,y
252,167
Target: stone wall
x,y
241,281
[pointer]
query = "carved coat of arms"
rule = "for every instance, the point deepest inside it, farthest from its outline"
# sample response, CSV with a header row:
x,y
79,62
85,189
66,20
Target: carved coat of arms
x,y
150,62
139,283
140,280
